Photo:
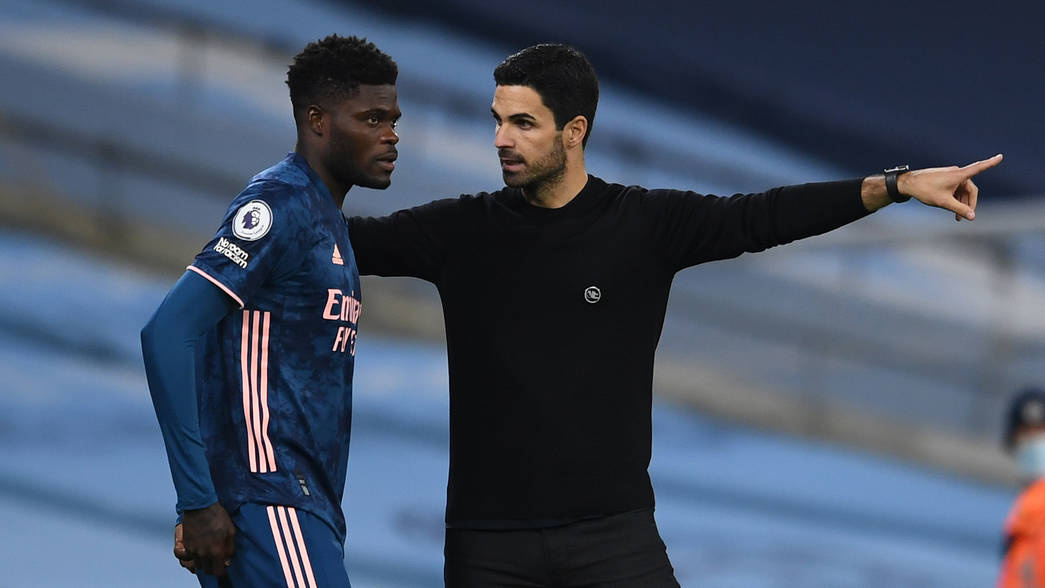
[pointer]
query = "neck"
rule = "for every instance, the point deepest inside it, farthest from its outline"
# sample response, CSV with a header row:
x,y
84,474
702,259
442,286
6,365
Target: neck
x,y
560,191
338,190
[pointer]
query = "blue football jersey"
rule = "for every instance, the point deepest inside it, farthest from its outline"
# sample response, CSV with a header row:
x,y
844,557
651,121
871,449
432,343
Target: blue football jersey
x,y
276,392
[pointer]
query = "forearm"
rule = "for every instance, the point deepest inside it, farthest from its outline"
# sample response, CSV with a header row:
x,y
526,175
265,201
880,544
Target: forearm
x,y
812,209
693,229
169,348
874,194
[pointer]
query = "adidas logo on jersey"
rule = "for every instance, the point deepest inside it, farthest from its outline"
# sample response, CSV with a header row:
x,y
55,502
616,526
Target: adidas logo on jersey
x,y
336,258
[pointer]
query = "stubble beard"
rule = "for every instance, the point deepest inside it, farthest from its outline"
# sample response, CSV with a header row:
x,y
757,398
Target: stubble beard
x,y
343,165
546,171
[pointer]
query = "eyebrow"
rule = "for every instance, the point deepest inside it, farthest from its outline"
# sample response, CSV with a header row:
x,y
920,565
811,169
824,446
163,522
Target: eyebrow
x,y
384,112
521,116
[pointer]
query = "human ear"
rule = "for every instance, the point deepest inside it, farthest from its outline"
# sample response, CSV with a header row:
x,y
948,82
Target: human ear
x,y
316,119
574,131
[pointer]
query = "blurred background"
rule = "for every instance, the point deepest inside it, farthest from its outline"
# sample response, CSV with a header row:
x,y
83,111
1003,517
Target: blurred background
x,y
827,413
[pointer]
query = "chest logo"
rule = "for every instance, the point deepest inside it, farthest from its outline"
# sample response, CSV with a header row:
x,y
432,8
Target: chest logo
x,y
253,220
592,294
336,258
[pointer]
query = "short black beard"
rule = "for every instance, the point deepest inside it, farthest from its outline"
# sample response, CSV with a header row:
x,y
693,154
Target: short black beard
x,y
548,170
341,164
338,161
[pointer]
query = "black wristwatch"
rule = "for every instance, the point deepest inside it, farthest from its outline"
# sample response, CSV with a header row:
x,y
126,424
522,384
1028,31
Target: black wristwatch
x,y
890,183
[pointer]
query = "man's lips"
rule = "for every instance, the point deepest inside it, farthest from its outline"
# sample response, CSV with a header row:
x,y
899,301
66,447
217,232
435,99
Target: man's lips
x,y
511,164
387,162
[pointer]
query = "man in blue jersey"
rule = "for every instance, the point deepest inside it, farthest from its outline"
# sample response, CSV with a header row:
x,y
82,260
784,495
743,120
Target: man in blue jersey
x,y
250,356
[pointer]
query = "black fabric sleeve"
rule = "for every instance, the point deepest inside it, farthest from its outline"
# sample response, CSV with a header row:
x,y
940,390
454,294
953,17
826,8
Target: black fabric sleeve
x,y
690,228
411,242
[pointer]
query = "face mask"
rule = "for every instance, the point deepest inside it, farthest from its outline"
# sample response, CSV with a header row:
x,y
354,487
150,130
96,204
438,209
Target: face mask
x,y
1030,456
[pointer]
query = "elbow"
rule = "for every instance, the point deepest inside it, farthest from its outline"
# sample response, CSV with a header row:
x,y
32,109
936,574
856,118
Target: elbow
x,y
146,335
148,332
149,353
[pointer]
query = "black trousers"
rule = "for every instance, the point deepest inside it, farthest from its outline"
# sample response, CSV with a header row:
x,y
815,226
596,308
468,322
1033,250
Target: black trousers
x,y
619,551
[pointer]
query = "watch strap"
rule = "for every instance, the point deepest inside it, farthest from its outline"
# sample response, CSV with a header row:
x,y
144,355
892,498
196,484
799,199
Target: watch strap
x,y
891,188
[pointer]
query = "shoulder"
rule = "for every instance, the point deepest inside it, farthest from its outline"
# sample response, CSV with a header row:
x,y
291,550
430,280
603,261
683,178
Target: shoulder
x,y
283,185
643,198
275,194
264,205
1033,498
446,207
627,193
285,172
1029,511
481,200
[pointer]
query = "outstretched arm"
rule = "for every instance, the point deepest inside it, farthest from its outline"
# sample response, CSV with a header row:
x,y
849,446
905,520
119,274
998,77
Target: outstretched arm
x,y
170,341
690,228
412,242
950,188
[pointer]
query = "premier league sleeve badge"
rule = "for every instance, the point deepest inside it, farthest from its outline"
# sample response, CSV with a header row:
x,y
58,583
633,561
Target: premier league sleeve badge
x,y
253,221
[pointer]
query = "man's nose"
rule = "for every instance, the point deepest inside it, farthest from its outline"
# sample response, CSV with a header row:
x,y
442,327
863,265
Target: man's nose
x,y
502,138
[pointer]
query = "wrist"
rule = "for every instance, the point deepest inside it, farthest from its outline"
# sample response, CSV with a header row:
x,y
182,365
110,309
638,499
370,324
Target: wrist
x,y
204,502
873,193
903,183
892,183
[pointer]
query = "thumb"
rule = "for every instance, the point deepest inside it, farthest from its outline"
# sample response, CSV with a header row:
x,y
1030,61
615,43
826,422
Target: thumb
x,y
179,542
230,542
957,207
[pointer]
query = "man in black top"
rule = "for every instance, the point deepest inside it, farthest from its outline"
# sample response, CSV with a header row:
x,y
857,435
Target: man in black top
x,y
554,291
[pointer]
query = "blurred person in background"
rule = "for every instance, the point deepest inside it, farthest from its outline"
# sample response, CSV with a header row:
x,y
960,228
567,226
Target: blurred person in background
x,y
250,356
1023,564
554,290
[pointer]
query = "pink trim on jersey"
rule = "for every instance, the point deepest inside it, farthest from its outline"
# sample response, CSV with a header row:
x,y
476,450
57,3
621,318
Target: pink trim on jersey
x,y
306,563
291,552
255,408
244,355
214,281
265,394
279,547
254,345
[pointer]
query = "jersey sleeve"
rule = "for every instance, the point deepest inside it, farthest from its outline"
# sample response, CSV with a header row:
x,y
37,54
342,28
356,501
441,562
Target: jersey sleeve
x,y
411,242
690,228
261,231
170,341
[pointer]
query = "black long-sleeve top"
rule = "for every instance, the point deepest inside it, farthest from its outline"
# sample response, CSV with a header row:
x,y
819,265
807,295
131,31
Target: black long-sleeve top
x,y
550,380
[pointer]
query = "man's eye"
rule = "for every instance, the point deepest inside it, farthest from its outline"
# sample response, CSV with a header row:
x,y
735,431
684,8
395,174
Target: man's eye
x,y
374,120
395,124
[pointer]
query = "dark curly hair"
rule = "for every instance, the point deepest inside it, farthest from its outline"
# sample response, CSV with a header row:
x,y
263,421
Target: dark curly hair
x,y
561,75
330,69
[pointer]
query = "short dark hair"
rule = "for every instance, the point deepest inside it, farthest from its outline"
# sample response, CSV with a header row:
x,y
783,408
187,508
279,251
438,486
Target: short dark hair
x,y
1026,409
331,68
560,74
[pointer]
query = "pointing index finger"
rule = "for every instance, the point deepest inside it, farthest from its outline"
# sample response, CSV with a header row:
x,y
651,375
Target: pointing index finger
x,y
974,168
